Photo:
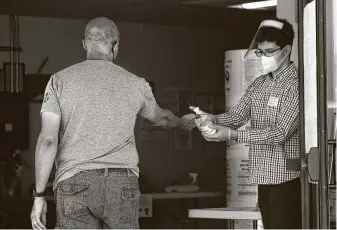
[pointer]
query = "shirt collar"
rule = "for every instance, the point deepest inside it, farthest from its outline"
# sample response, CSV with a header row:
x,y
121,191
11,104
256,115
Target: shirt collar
x,y
282,72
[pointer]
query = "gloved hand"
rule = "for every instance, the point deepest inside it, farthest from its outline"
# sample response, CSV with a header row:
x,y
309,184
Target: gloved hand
x,y
198,122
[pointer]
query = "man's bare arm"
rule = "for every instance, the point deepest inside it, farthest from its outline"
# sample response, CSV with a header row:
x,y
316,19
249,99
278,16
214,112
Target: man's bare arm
x,y
162,117
46,149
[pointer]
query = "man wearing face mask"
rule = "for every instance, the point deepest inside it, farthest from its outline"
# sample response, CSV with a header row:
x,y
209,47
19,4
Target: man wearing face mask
x,y
88,117
271,102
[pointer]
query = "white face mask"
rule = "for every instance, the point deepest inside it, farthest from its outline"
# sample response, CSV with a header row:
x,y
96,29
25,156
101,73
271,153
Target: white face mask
x,y
271,64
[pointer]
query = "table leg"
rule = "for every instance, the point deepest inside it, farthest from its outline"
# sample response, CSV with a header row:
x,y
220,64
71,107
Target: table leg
x,y
231,223
196,222
183,222
254,224
153,222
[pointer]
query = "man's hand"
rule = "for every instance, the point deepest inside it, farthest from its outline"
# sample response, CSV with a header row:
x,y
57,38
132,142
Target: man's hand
x,y
223,134
188,122
38,214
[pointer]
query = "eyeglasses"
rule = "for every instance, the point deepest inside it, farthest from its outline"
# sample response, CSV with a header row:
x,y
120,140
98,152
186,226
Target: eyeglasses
x,y
261,53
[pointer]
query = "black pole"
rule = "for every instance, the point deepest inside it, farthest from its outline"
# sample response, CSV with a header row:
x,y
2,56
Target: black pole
x,y
305,189
322,114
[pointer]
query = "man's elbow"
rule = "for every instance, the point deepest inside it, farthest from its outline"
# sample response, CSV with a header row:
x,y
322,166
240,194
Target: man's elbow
x,y
48,140
158,115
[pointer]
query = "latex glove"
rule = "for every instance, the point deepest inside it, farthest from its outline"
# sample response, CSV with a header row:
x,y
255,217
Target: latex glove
x,y
38,214
221,135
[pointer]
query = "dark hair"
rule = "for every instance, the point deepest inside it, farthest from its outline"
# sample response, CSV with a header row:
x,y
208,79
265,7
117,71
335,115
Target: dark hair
x,y
282,37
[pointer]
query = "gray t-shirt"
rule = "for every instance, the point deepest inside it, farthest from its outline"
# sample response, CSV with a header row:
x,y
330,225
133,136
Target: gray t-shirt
x,y
98,102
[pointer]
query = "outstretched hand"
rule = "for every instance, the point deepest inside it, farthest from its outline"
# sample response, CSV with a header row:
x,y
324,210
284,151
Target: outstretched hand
x,y
188,122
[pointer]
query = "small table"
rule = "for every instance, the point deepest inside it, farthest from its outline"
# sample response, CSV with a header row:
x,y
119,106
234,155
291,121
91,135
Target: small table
x,y
230,214
183,196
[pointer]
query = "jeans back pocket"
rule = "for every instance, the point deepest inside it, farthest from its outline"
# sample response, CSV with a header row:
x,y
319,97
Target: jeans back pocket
x,y
73,197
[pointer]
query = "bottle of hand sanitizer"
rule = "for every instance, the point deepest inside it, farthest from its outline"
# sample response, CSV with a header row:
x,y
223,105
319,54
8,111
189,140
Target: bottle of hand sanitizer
x,y
204,121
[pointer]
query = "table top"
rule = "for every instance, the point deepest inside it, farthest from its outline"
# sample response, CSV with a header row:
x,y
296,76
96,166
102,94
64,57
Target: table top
x,y
226,213
182,195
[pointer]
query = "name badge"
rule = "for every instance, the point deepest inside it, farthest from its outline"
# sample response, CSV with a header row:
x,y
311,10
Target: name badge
x,y
273,101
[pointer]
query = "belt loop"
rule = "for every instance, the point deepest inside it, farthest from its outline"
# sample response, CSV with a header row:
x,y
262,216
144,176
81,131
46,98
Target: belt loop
x,y
128,170
106,172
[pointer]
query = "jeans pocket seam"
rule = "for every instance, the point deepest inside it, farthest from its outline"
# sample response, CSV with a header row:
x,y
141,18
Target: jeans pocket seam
x,y
125,198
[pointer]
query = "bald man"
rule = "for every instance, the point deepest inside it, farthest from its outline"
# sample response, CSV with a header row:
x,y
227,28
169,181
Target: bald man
x,y
88,117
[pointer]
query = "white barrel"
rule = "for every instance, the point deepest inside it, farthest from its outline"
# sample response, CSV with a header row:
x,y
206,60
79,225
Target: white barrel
x,y
239,192
239,74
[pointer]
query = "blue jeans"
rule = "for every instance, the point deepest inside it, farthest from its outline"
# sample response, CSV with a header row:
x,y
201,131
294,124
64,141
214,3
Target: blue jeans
x,y
95,199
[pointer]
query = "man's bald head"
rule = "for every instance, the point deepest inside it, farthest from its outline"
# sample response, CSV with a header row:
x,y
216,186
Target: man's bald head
x,y
101,39
101,30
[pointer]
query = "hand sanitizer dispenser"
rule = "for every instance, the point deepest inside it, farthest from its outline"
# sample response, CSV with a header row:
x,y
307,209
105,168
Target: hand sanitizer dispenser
x,y
194,178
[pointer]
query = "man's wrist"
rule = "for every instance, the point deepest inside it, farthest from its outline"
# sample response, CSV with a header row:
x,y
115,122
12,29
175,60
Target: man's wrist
x,y
37,193
179,123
